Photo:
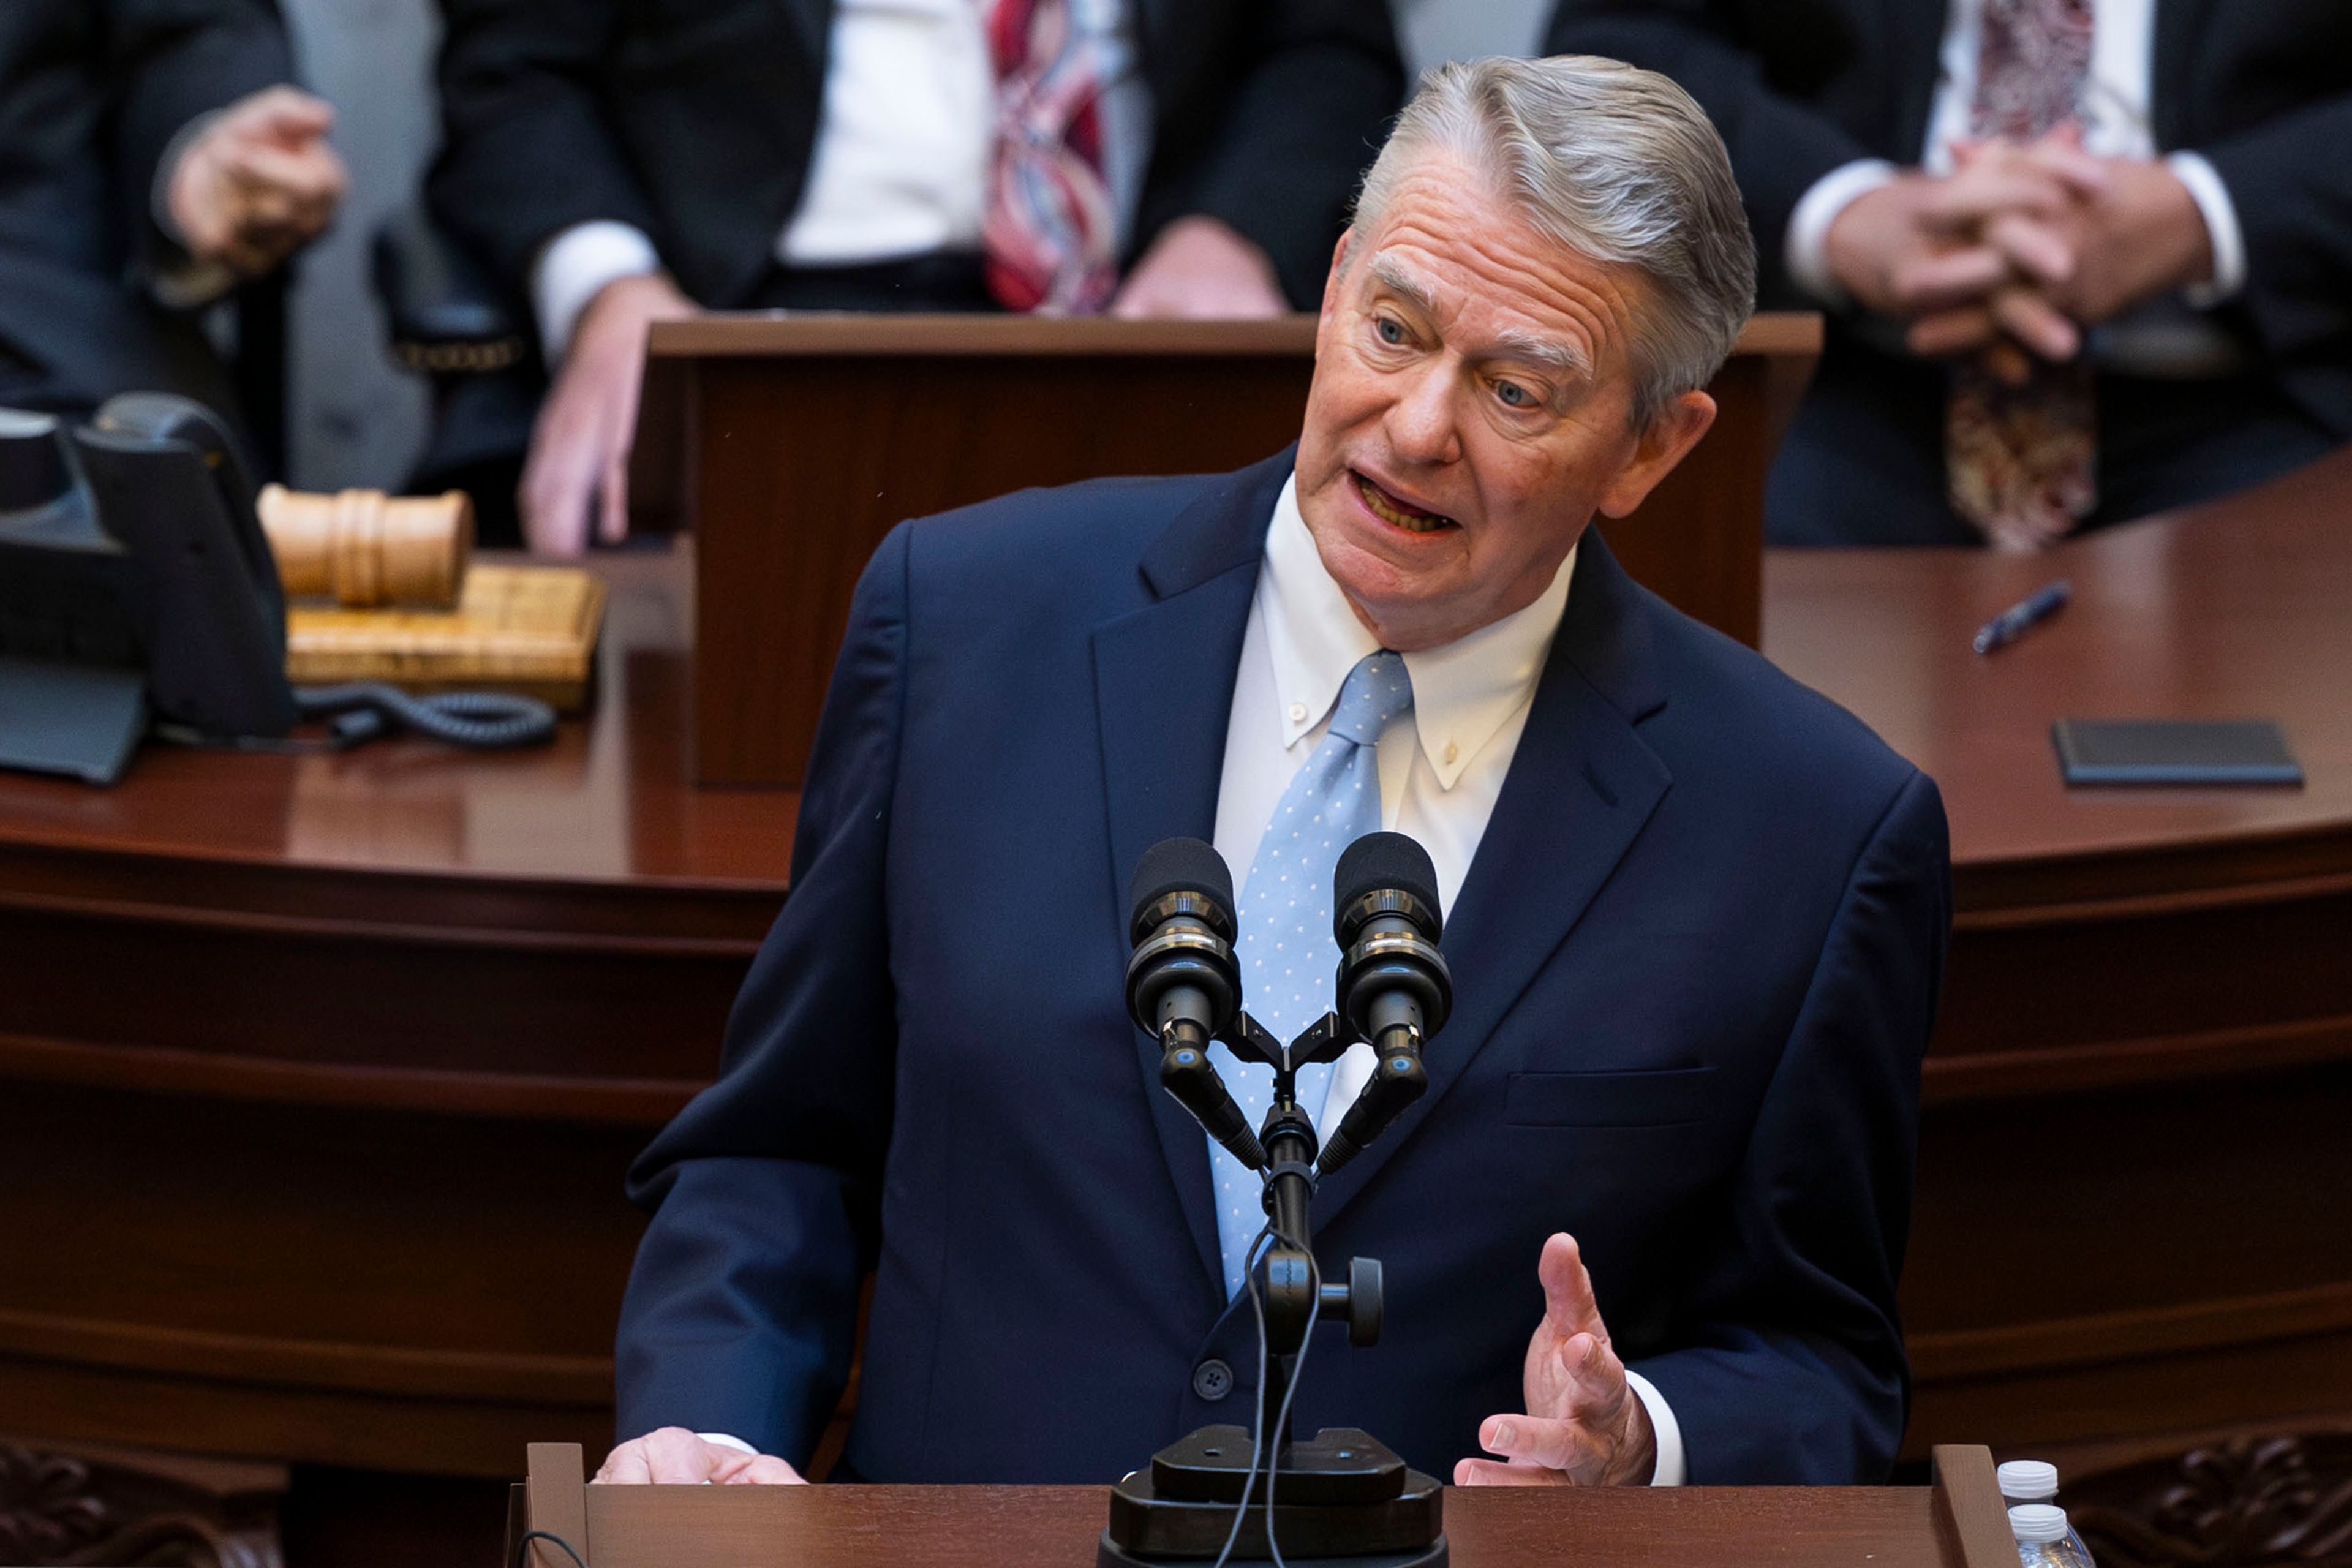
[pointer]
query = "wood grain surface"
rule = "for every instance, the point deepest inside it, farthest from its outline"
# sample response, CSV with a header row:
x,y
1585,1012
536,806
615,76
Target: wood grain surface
x,y
527,629
2131,1215
1057,1527
2238,609
1958,1521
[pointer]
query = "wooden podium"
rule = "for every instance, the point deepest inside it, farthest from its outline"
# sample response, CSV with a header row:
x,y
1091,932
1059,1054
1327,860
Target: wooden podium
x,y
791,443
1957,1522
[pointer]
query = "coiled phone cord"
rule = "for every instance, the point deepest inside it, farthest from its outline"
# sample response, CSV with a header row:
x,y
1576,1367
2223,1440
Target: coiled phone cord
x,y
482,720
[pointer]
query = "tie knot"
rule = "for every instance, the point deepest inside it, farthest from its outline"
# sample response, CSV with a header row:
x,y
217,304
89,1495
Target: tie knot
x,y
1377,690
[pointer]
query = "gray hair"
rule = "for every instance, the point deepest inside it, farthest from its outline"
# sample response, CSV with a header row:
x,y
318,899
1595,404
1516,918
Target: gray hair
x,y
1616,163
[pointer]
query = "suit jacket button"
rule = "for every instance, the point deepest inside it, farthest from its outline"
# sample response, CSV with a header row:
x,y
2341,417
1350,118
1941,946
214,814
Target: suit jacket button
x,y
1212,1380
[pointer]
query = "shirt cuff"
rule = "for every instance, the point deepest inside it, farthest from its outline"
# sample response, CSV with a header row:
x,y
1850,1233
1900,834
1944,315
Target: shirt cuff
x,y
2228,242
1673,1469
572,269
177,280
728,1440
1805,252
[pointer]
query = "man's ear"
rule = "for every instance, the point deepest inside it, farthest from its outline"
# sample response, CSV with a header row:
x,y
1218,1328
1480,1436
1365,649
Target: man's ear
x,y
1656,450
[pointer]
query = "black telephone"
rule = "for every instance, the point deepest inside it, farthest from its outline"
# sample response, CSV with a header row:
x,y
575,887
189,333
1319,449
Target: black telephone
x,y
171,601
135,577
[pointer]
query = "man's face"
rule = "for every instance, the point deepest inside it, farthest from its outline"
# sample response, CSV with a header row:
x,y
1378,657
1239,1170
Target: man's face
x,y
1471,409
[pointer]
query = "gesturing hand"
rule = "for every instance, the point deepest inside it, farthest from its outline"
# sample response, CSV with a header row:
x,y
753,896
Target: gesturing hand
x,y
259,181
1584,1426
676,1457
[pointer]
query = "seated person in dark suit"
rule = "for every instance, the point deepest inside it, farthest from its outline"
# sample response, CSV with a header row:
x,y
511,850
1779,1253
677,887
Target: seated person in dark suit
x,y
1645,1224
151,157
624,164
2084,259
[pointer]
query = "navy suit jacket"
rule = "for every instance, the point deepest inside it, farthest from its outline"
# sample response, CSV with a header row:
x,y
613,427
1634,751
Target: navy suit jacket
x,y
1696,960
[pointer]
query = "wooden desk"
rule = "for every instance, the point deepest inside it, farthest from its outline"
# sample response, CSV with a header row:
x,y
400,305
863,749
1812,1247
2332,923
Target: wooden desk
x,y
1957,1522
2135,1209
318,1075
792,444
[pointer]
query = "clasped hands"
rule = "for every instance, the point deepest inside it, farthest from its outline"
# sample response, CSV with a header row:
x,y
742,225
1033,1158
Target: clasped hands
x,y
1584,1425
2017,250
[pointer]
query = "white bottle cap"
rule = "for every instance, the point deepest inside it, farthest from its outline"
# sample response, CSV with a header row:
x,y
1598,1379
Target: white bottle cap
x,y
2037,1522
2029,1480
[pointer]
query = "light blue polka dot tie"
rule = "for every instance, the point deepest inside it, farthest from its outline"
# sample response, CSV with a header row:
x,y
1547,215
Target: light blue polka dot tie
x,y
1285,952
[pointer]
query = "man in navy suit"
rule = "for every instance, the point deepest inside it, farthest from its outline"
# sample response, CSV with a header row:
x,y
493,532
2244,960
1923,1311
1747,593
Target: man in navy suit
x,y
1697,913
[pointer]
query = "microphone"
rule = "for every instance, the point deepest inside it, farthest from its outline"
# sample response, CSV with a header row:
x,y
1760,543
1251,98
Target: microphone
x,y
1183,986
1394,988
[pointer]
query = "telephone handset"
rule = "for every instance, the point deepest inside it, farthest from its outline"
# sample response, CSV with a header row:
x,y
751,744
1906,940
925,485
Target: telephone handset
x,y
166,481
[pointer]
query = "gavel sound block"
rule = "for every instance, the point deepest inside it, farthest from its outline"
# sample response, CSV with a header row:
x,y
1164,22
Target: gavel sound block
x,y
410,608
363,548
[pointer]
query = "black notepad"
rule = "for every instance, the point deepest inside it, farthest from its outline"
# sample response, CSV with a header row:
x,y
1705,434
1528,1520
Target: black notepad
x,y
2200,751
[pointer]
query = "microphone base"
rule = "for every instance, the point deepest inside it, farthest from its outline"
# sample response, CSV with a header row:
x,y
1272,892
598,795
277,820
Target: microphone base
x,y
1357,1504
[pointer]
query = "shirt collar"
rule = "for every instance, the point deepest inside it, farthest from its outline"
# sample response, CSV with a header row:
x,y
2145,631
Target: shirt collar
x,y
1461,692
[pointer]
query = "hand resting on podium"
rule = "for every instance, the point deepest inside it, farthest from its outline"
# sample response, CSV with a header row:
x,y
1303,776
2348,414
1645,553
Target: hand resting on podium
x,y
575,480
1584,1426
674,1456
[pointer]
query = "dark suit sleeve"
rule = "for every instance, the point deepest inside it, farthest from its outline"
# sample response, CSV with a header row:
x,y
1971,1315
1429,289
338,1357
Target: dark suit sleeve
x,y
2291,189
1791,1368
741,1313
174,61
527,151
1320,80
1779,147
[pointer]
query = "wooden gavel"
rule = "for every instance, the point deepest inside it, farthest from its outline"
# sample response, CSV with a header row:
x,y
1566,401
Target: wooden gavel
x,y
363,548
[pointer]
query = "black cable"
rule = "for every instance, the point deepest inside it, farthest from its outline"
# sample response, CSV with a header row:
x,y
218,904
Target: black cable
x,y
522,1546
483,721
1263,1239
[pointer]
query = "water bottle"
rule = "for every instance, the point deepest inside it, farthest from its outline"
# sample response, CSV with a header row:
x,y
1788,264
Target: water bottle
x,y
2036,1482
2044,1539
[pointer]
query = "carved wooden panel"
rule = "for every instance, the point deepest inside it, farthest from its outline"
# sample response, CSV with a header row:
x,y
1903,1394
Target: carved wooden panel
x,y
2249,1502
62,1509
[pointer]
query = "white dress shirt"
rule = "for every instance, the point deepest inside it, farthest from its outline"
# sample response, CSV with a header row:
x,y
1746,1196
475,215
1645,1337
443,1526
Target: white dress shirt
x,y
903,147
2116,117
1442,764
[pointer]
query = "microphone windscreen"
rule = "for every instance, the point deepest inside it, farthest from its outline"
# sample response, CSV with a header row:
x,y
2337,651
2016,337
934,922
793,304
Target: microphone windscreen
x,y
1180,864
1378,862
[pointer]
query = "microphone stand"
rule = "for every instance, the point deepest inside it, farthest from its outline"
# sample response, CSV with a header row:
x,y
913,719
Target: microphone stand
x,y
1342,1494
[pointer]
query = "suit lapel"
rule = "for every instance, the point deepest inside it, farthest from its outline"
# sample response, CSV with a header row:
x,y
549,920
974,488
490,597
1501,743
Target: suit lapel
x,y
1163,696
1580,787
